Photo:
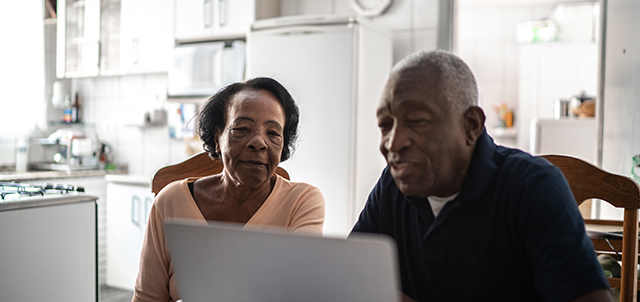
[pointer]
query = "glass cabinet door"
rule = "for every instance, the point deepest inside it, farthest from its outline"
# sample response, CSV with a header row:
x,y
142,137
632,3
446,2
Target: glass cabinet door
x,y
78,38
110,36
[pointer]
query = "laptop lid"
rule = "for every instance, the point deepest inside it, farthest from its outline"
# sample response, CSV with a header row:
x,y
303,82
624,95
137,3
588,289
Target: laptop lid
x,y
223,262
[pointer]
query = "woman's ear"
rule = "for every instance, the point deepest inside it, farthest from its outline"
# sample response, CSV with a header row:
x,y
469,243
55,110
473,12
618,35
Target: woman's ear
x,y
216,140
474,124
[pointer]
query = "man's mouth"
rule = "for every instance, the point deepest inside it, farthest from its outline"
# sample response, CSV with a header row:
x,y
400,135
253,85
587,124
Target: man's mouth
x,y
401,169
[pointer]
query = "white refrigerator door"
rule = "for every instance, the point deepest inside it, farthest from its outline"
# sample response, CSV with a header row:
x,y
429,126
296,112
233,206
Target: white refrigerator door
x,y
317,65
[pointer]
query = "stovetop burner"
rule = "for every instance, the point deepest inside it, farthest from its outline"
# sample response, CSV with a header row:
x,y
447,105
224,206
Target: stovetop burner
x,y
16,190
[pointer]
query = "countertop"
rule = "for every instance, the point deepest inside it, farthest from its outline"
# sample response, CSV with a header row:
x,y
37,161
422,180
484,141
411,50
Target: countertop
x,y
48,200
35,175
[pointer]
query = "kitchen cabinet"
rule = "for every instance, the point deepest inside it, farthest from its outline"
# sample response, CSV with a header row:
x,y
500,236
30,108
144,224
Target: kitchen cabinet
x,y
129,200
78,36
113,37
206,19
146,40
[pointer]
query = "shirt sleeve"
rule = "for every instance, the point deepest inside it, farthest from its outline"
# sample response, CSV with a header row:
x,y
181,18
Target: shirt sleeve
x,y
562,256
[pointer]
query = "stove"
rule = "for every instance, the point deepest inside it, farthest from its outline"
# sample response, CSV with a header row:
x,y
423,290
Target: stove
x,y
15,191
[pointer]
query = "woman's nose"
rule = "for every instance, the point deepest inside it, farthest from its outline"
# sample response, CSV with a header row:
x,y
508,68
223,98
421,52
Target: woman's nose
x,y
258,141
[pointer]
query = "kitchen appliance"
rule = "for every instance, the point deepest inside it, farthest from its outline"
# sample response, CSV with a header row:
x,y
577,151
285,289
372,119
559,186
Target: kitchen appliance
x,y
49,243
15,191
68,149
335,68
200,69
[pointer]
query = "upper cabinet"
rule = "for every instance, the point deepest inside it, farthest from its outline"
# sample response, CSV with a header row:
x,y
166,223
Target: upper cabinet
x,y
146,36
78,36
215,19
114,37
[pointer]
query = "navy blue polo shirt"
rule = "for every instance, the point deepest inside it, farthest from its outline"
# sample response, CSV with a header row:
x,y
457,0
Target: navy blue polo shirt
x,y
514,233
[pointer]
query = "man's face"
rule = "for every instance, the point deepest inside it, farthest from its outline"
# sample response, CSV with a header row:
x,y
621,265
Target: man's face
x,y
423,137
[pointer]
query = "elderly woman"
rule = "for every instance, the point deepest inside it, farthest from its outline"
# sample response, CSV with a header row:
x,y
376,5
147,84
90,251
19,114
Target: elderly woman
x,y
252,127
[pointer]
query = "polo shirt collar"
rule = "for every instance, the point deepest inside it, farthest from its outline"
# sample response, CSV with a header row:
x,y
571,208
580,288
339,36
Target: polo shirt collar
x,y
481,170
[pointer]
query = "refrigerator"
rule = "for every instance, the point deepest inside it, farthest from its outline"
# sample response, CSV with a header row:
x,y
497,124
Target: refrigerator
x,y
335,68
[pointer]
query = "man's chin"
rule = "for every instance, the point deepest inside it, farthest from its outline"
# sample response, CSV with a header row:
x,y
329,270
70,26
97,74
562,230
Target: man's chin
x,y
410,189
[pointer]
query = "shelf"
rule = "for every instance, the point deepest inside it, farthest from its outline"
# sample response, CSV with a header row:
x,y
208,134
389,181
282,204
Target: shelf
x,y
501,132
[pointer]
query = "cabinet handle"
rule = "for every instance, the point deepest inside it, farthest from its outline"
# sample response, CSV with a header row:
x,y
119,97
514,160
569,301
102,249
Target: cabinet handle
x,y
135,48
135,210
222,13
206,9
147,207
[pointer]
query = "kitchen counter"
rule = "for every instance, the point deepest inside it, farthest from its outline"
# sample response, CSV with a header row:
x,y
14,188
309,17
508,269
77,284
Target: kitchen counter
x,y
35,175
48,200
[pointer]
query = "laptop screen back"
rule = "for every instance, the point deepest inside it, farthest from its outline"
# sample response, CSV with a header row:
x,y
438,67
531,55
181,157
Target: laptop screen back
x,y
222,262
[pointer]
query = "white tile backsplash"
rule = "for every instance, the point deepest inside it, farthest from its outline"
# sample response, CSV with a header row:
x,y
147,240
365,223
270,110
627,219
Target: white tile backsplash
x,y
402,44
397,17
425,14
424,39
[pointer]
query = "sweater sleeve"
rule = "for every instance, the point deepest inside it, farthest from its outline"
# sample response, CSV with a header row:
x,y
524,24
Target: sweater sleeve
x,y
308,214
152,283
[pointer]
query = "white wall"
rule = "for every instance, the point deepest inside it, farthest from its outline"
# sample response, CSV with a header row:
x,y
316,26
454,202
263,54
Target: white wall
x,y
21,73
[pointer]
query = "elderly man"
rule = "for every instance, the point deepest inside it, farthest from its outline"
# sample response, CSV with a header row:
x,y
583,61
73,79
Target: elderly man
x,y
473,221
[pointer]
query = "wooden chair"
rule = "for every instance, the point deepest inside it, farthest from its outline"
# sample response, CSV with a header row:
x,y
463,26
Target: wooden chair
x,y
195,166
588,181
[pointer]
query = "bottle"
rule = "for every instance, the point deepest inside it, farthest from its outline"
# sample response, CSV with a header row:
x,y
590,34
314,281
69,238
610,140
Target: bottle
x,y
21,155
67,115
635,168
75,109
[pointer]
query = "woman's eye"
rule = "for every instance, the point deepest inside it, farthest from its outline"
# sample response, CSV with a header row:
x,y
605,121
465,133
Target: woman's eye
x,y
273,133
239,130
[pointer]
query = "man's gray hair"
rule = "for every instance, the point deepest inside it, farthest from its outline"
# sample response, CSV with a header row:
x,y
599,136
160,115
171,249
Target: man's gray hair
x,y
456,80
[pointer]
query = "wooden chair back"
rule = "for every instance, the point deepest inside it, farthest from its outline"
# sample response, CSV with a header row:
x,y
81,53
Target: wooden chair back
x,y
195,166
588,182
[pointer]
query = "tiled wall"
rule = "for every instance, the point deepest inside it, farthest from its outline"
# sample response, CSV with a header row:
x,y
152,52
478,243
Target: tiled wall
x,y
486,40
115,106
413,22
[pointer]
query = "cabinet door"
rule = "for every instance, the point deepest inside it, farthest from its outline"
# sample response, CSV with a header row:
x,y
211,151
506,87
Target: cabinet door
x,y
194,19
128,209
146,36
233,17
78,35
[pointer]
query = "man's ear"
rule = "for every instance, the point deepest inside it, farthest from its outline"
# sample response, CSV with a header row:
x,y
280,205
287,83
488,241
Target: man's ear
x,y
474,123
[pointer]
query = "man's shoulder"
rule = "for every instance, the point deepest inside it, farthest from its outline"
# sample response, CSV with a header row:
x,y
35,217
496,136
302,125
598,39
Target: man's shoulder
x,y
515,161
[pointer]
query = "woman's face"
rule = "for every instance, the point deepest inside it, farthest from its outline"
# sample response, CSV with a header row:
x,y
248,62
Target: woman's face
x,y
252,140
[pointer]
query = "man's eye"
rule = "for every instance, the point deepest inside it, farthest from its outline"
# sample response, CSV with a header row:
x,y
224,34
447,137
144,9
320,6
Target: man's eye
x,y
418,121
384,127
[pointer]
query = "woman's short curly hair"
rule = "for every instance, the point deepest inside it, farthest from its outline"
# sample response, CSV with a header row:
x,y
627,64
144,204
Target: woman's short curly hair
x,y
211,118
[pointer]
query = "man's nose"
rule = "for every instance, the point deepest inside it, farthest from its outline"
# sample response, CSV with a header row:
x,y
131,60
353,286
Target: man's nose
x,y
258,141
397,139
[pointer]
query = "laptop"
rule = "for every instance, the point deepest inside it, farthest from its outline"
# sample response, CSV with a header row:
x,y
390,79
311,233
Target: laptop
x,y
223,262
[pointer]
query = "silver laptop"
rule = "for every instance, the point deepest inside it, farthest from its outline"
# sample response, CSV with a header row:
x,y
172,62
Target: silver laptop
x,y
222,262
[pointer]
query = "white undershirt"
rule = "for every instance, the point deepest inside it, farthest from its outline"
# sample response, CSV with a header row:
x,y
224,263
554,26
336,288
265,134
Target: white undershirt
x,y
437,203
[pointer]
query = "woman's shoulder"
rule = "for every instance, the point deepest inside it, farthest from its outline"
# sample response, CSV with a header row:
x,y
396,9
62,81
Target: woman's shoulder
x,y
173,192
285,185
